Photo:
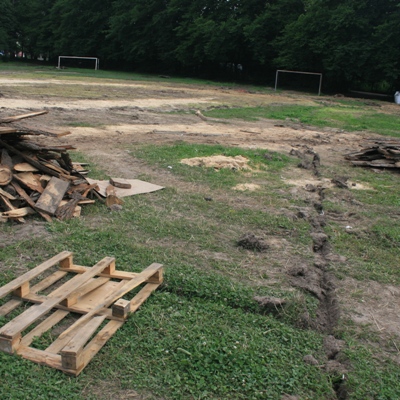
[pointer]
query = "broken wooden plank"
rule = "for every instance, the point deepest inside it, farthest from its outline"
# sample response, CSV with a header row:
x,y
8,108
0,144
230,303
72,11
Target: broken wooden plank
x,y
22,116
28,199
18,212
30,160
8,195
9,207
52,195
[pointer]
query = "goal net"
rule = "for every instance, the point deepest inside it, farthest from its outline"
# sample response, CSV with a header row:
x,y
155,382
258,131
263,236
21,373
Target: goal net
x,y
78,62
298,80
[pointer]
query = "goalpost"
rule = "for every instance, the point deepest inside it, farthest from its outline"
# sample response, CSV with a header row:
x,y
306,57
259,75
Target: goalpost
x,y
96,65
299,72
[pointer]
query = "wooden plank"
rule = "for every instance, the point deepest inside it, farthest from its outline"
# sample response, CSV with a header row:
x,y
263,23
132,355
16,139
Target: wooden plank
x,y
72,352
8,206
78,308
82,336
33,273
40,357
4,130
7,195
60,343
18,212
125,288
9,306
84,289
142,296
52,195
27,198
80,269
22,116
32,314
44,326
96,344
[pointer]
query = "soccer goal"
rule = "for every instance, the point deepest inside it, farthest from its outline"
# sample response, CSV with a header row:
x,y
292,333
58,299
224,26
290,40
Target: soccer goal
x,y
299,72
95,59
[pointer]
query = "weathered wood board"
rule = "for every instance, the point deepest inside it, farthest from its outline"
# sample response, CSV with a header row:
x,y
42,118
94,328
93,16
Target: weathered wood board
x,y
52,195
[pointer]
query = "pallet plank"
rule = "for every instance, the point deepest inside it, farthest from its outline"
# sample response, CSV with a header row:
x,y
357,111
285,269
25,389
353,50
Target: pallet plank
x,y
40,356
33,273
95,345
44,326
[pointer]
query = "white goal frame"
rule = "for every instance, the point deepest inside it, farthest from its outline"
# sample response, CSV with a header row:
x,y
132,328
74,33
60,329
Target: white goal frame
x,y
299,72
96,66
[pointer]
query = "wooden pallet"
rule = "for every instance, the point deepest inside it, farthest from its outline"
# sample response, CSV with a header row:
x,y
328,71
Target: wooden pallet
x,y
94,292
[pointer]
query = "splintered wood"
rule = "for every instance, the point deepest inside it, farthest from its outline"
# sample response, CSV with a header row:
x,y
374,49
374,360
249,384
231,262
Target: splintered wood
x,y
383,153
95,293
36,178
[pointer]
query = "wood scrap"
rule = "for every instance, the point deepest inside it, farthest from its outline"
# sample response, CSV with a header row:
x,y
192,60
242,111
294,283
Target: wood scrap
x,y
22,116
18,212
112,197
52,195
383,153
68,210
119,183
5,175
27,168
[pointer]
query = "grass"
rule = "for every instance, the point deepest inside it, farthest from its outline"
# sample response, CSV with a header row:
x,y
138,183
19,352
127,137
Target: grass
x,y
201,335
346,117
170,347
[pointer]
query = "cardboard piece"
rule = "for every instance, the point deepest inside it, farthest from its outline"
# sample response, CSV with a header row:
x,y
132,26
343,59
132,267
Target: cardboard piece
x,y
137,187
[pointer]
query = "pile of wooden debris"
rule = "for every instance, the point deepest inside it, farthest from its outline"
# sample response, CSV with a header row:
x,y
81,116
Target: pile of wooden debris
x,y
35,178
383,153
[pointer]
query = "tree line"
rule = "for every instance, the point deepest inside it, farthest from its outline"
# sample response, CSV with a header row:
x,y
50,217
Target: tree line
x,y
353,43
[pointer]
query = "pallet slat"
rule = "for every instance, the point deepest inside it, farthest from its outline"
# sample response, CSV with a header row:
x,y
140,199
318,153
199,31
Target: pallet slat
x,y
16,283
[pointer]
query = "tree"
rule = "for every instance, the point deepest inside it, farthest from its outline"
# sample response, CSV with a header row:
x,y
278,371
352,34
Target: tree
x,y
338,38
7,26
79,27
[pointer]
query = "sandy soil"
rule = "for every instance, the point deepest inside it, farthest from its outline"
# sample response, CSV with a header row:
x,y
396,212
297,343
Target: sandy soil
x,y
127,113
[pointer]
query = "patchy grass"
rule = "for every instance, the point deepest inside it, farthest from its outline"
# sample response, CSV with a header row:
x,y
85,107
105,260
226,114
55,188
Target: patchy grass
x,y
202,336
349,118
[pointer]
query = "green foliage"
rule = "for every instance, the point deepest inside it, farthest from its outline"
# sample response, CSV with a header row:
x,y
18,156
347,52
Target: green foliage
x,y
372,381
351,43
